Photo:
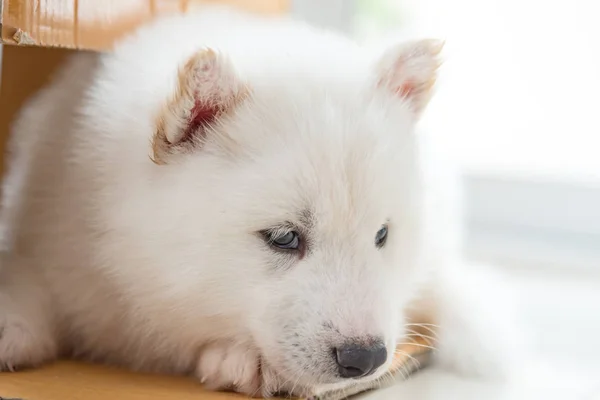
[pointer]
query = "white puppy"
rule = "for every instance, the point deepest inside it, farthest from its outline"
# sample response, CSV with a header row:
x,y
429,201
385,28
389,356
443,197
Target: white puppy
x,y
236,197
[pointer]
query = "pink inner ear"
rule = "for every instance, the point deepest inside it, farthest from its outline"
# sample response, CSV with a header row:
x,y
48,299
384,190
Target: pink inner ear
x,y
202,115
406,89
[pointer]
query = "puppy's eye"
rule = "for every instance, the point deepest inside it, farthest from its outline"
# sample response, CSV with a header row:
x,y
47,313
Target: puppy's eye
x,y
381,236
287,241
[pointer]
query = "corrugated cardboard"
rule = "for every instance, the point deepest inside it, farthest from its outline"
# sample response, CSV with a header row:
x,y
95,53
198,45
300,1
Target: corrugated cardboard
x,y
96,24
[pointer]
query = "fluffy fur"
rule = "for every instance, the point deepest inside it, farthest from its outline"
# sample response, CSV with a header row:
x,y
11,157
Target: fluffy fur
x,y
141,181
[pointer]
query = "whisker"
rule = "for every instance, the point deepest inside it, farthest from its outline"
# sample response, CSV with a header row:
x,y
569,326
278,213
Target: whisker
x,y
408,356
428,327
296,384
418,345
428,340
414,336
289,380
416,363
422,324
412,331
385,379
405,371
403,374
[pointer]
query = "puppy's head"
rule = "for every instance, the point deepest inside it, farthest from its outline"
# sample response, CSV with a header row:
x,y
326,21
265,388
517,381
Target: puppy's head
x,y
304,194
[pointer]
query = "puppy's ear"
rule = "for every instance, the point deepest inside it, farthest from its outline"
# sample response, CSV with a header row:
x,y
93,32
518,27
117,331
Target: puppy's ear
x,y
207,90
409,70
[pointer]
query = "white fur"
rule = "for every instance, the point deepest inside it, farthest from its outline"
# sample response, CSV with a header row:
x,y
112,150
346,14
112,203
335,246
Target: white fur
x,y
112,257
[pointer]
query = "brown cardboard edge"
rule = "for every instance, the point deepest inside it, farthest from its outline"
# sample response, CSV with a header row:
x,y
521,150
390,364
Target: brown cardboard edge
x,y
16,37
12,34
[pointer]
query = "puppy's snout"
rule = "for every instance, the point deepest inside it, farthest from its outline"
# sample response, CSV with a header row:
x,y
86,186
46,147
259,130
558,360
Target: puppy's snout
x,y
357,360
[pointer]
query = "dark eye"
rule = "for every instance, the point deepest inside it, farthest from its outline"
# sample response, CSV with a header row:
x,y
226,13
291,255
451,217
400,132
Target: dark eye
x,y
287,241
381,236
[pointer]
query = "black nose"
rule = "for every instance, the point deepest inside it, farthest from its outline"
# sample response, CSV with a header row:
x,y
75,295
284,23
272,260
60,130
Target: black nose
x,y
357,360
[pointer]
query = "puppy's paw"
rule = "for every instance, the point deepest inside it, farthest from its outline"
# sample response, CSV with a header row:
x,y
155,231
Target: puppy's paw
x,y
22,345
228,366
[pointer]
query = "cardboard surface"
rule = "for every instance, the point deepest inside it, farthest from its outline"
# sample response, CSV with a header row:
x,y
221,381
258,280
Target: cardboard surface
x,y
69,380
77,381
97,24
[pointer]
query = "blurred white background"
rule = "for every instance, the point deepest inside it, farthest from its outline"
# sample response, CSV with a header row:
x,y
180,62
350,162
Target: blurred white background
x,y
516,107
